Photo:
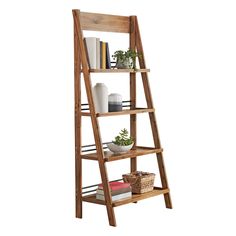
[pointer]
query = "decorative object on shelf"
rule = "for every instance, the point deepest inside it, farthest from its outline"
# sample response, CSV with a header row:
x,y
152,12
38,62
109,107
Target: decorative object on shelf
x,y
119,191
125,59
114,102
122,143
100,95
141,182
93,51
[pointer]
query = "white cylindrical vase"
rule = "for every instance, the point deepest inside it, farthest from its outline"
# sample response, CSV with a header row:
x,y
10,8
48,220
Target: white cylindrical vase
x,y
100,96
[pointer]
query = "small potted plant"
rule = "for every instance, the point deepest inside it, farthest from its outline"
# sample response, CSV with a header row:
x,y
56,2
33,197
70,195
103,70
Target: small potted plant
x,y
122,143
125,59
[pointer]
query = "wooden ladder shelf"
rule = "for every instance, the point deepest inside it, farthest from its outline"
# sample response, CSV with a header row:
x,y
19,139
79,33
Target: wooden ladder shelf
x,y
122,24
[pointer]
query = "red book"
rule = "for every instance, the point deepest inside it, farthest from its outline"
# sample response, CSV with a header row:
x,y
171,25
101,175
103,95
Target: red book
x,y
116,185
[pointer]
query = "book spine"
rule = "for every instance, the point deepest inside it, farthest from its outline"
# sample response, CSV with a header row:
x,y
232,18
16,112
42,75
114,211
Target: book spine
x,y
90,44
116,186
100,55
116,197
103,55
97,53
108,60
116,192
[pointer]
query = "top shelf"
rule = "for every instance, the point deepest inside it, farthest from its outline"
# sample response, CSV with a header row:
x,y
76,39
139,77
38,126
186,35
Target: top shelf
x,y
119,70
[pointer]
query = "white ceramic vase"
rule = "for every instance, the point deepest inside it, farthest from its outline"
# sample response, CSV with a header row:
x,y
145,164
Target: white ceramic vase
x,y
100,96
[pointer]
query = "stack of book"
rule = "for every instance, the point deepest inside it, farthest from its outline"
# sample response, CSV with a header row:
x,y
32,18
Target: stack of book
x,y
98,53
119,191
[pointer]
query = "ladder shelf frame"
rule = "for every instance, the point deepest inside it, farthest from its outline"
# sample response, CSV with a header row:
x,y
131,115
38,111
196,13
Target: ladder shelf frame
x,y
123,24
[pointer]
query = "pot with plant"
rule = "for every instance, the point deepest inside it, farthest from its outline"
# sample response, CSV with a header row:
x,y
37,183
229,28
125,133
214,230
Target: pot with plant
x,y
125,59
122,143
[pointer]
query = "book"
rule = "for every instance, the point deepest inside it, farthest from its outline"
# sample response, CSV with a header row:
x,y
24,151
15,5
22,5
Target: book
x,y
116,197
115,192
98,53
103,55
116,185
108,59
91,46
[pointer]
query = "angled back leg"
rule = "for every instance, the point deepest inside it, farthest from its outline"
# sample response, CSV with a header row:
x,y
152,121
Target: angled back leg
x,y
152,117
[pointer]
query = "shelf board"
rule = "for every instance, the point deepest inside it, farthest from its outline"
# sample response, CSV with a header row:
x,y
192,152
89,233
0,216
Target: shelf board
x,y
119,70
110,156
123,112
135,197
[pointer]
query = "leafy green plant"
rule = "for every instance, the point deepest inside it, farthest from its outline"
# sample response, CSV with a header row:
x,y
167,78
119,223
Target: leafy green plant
x,y
123,139
129,56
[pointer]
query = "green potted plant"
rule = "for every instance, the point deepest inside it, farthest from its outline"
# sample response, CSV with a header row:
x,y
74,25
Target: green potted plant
x,y
122,143
125,59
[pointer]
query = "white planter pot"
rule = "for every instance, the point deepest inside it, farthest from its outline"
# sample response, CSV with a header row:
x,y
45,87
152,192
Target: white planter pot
x,y
119,149
100,96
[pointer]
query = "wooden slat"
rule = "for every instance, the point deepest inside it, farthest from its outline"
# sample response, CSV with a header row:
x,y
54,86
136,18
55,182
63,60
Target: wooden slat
x,y
118,113
135,197
119,70
104,22
139,197
125,112
109,156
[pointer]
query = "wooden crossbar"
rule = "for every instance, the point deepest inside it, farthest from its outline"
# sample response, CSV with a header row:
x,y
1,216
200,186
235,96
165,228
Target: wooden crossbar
x,y
104,22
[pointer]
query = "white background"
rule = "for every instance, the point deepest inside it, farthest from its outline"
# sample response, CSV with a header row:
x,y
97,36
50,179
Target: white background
x,y
191,50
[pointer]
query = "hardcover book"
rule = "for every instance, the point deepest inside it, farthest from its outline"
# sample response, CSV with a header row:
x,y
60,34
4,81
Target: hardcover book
x,y
116,185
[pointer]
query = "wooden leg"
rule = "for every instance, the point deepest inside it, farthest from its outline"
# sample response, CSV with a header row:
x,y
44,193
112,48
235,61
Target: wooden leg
x,y
133,125
78,171
78,160
152,117
107,194
164,182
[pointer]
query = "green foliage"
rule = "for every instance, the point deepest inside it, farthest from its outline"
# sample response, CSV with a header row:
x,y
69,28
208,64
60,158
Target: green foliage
x,y
123,139
130,54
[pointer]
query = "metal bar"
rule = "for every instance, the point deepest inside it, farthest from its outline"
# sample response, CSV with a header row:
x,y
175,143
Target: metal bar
x,y
126,101
90,191
92,149
84,104
126,105
91,145
95,185
84,109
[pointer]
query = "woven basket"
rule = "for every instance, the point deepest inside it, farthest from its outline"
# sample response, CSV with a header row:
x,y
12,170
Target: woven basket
x,y
141,182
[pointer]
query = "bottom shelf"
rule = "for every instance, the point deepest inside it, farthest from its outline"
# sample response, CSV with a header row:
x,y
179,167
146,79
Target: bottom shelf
x,y
135,197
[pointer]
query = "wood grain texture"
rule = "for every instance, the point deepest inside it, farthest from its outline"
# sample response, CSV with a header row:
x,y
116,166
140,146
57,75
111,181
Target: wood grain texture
x,y
77,120
96,130
119,70
133,117
135,197
104,22
152,117
109,156
119,113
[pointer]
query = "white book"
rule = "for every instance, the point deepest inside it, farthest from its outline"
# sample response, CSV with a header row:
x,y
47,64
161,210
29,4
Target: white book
x,y
91,45
115,197
98,53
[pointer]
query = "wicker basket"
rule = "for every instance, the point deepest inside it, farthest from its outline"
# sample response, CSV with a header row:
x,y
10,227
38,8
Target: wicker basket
x,y
141,182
